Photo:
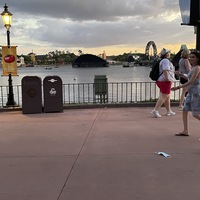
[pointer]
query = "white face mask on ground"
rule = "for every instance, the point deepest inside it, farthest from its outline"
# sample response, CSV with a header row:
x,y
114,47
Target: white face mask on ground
x,y
163,154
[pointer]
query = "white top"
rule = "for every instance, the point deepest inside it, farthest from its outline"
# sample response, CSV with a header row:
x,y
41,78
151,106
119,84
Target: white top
x,y
182,66
165,64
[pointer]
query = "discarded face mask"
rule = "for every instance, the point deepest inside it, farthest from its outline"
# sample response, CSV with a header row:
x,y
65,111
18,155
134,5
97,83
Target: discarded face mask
x,y
163,154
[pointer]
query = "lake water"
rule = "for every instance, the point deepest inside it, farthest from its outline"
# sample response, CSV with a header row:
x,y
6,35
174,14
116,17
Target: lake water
x,y
114,73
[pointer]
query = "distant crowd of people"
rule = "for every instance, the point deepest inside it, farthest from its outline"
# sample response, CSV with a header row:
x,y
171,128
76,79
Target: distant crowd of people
x,y
189,76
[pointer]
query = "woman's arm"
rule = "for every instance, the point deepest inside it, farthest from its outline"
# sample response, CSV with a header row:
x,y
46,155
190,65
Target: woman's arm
x,y
195,74
187,65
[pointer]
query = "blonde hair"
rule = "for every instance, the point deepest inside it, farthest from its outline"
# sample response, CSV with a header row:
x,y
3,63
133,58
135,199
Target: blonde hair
x,y
185,53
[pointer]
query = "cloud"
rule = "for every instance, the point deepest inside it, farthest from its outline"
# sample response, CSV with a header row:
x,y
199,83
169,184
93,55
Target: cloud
x,y
74,24
104,10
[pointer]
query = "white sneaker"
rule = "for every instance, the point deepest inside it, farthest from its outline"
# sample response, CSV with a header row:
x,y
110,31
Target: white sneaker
x,y
170,113
155,113
180,108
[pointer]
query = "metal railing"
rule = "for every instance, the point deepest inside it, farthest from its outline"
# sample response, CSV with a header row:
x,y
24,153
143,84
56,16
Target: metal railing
x,y
90,93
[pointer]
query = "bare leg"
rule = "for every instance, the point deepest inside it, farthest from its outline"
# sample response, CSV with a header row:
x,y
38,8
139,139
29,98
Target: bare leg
x,y
184,90
167,103
185,121
161,100
185,124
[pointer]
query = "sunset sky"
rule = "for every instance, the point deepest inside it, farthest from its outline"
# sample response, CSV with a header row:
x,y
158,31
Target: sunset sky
x,y
113,26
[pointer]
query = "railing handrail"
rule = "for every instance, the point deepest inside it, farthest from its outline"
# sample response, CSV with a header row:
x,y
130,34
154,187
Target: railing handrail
x,y
89,93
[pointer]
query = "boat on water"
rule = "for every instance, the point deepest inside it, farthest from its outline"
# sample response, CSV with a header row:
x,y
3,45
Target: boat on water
x,y
128,64
30,65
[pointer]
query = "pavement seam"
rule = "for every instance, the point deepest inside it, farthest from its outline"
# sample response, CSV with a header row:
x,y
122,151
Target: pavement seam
x,y
78,155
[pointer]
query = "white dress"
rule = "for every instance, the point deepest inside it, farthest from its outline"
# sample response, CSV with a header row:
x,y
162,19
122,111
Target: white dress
x,y
192,100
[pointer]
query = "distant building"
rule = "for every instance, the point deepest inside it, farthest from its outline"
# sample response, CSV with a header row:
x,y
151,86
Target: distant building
x,y
40,58
20,62
104,55
32,58
110,60
89,60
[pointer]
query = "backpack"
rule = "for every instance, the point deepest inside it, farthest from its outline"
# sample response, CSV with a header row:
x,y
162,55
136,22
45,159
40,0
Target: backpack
x,y
155,71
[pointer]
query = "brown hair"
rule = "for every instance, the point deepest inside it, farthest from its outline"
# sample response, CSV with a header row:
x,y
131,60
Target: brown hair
x,y
197,54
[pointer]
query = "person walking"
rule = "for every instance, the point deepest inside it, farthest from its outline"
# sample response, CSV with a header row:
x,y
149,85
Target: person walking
x,y
192,100
184,68
164,83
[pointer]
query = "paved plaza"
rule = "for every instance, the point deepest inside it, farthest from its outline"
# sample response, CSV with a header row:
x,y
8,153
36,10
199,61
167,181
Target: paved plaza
x,y
98,154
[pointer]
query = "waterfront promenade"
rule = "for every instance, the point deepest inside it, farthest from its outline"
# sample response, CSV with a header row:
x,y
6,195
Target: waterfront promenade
x,y
98,154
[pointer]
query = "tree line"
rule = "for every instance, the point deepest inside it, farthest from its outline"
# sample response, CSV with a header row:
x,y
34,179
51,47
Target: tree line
x,y
54,57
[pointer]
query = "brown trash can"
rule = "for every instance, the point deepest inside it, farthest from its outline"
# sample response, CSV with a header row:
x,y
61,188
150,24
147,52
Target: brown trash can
x,y
53,95
31,95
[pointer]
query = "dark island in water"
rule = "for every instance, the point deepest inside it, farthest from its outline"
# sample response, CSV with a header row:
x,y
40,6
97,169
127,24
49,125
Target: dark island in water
x,y
89,60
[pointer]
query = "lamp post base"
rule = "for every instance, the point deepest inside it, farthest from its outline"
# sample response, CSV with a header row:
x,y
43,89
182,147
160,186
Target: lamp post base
x,y
11,102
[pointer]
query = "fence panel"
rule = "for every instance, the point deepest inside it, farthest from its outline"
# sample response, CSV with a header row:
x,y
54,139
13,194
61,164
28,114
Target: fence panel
x,y
84,93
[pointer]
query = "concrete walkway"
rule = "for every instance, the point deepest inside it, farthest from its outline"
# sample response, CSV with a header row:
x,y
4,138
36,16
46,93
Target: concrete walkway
x,y
98,154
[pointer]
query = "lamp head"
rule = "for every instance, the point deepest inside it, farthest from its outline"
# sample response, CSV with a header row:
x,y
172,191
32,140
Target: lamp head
x,y
7,17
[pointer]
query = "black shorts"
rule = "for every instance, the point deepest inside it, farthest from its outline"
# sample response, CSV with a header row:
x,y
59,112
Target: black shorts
x,y
182,80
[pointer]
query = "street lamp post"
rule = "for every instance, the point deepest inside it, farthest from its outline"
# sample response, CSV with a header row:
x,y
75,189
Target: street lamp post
x,y
191,16
7,20
198,37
